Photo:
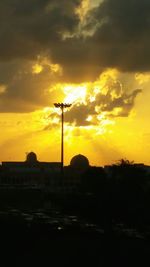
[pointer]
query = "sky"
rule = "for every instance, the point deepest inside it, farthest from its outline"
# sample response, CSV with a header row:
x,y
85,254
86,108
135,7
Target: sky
x,y
94,54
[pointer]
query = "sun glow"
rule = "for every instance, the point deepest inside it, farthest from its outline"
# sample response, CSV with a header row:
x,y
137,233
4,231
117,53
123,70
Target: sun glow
x,y
92,121
97,122
91,102
75,93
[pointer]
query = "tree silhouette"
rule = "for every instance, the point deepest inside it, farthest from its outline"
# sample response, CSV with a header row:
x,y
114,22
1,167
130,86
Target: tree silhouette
x,y
124,162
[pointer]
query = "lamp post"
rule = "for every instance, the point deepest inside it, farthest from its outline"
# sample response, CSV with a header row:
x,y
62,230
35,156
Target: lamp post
x,y
62,106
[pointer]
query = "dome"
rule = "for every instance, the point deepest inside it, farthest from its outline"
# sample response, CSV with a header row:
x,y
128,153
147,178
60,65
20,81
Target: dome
x,y
79,162
31,157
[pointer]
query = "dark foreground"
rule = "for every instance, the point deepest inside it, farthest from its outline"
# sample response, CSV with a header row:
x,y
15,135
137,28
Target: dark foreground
x,y
71,250
44,239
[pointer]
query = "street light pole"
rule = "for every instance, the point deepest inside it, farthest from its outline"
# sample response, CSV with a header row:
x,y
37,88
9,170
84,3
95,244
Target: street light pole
x,y
62,106
62,139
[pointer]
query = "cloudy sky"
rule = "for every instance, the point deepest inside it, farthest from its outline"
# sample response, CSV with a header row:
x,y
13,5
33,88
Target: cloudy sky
x,y
94,54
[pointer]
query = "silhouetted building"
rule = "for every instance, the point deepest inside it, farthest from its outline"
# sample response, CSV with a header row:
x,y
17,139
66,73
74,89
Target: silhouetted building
x,y
34,173
72,173
47,175
79,162
31,172
31,158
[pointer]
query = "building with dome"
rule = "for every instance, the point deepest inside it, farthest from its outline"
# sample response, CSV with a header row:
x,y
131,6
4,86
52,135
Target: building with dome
x,y
31,158
73,173
34,173
80,163
47,175
30,172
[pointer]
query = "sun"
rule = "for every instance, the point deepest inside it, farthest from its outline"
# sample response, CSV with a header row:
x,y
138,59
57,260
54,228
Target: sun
x,y
75,93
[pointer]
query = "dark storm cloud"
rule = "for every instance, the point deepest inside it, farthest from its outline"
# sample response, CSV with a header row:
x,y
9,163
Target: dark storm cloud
x,y
114,34
125,102
121,37
124,37
29,27
25,90
76,115
79,113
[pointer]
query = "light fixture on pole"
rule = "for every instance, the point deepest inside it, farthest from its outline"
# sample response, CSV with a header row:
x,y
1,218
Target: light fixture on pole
x,y
62,106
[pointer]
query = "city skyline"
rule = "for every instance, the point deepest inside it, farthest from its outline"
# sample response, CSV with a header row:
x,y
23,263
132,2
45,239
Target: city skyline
x,y
92,54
